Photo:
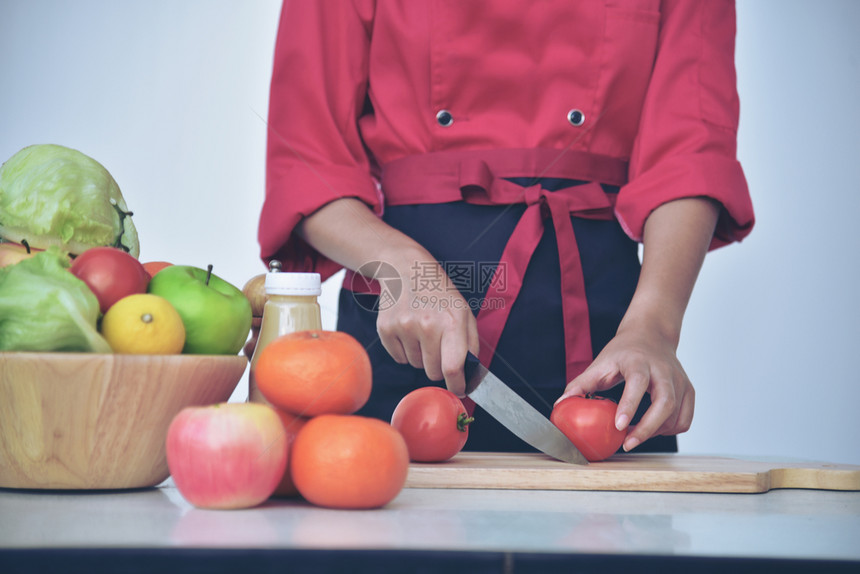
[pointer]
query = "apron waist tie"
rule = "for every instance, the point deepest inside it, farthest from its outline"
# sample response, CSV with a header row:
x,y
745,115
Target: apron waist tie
x,y
480,178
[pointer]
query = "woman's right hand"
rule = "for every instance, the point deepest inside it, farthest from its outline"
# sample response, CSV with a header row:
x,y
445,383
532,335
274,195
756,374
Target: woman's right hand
x,y
430,326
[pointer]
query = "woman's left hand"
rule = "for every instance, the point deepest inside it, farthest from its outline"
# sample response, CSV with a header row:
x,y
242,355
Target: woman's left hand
x,y
647,362
642,353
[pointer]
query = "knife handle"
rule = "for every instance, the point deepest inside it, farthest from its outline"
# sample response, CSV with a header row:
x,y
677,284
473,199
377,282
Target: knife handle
x,y
472,369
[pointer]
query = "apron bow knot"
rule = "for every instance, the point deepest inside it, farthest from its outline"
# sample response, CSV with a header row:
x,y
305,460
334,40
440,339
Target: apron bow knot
x,y
479,185
484,177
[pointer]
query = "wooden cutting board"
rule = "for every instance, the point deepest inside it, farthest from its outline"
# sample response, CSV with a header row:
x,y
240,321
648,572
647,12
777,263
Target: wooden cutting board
x,y
630,472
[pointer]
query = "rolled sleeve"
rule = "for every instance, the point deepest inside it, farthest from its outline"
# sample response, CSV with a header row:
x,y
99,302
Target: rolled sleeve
x,y
687,140
314,152
295,191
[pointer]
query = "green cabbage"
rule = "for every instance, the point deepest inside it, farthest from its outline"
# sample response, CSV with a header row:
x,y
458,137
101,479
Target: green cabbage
x,y
54,195
43,307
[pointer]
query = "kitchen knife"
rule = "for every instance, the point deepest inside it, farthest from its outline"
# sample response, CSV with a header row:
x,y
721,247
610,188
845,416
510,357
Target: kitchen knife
x,y
517,415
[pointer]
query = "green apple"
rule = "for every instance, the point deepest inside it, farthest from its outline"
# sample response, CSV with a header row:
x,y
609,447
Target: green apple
x,y
216,314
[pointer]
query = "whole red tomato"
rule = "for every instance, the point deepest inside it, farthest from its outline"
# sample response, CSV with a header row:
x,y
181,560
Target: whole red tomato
x,y
434,423
110,273
589,423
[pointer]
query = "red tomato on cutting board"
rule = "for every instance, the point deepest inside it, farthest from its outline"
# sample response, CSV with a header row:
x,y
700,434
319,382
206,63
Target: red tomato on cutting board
x,y
589,423
434,423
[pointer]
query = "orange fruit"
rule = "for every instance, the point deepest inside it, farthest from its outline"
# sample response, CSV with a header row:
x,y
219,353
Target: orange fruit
x,y
349,461
309,373
292,425
143,324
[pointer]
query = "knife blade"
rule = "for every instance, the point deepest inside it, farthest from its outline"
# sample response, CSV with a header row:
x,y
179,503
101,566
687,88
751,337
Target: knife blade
x,y
516,414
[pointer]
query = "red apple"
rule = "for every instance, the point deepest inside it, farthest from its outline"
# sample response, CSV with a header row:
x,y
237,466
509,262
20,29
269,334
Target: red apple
x,y
229,455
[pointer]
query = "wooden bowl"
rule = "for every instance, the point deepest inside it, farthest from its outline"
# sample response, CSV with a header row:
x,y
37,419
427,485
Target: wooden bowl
x,y
99,421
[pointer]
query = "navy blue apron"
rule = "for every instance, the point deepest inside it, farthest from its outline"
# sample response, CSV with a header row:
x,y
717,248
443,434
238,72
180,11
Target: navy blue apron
x,y
468,241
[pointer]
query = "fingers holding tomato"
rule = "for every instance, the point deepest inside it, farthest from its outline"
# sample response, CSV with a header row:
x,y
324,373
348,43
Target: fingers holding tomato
x,y
647,363
670,413
434,423
672,399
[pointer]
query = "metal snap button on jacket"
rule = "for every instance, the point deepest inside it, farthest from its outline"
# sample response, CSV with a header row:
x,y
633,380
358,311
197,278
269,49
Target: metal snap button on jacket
x,y
444,118
576,117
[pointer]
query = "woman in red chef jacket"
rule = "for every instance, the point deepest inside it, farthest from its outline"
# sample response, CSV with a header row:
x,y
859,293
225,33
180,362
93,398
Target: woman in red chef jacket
x,y
496,163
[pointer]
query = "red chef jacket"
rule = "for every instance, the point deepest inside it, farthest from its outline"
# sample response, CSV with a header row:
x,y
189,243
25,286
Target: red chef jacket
x,y
644,90
359,83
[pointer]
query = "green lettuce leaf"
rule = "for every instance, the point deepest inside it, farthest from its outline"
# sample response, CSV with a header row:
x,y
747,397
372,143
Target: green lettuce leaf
x,y
55,195
43,307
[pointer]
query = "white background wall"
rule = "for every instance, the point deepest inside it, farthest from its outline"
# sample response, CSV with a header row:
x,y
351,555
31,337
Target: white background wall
x,y
171,96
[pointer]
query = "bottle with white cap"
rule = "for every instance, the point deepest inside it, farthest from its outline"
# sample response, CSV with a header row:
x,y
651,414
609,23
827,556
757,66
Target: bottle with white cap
x,y
291,305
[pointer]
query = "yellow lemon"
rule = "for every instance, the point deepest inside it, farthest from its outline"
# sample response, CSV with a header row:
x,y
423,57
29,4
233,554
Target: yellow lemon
x,y
143,324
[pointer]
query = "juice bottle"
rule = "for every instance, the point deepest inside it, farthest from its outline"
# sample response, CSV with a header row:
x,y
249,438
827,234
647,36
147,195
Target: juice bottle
x,y
291,305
